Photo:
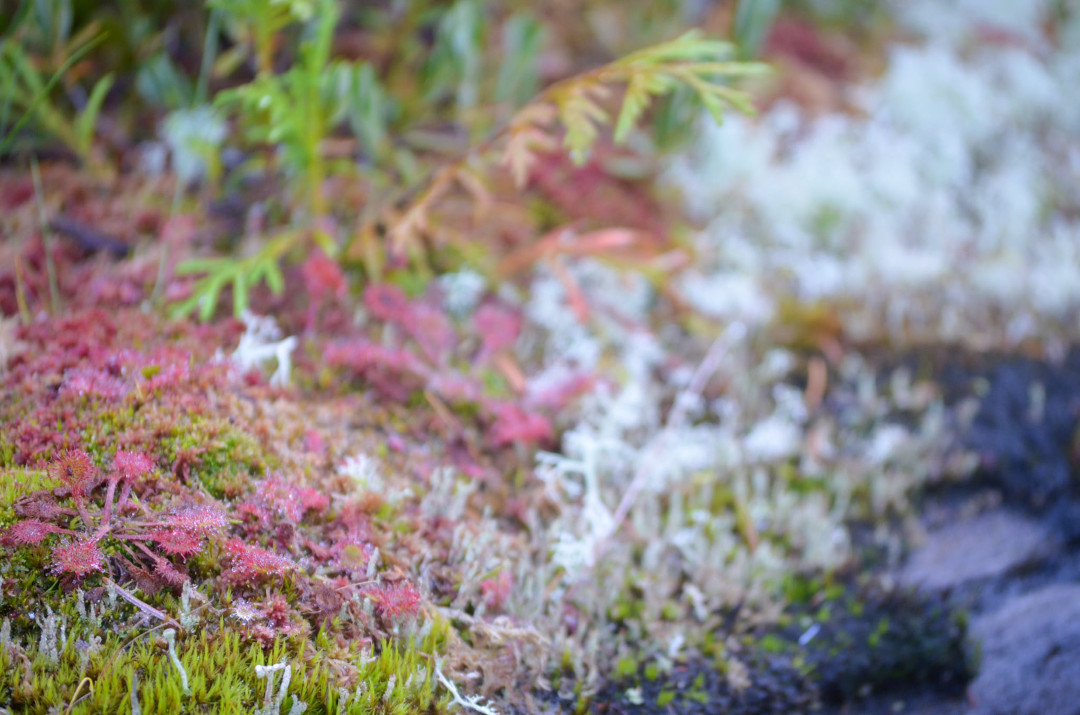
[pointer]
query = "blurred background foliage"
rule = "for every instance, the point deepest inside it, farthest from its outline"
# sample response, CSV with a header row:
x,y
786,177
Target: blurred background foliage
x,y
401,97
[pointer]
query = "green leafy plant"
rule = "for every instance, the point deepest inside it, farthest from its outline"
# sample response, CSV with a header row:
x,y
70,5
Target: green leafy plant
x,y
25,89
241,274
258,23
753,18
296,112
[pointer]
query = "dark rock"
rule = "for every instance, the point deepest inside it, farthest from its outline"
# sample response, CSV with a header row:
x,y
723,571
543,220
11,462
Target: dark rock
x,y
990,545
1030,655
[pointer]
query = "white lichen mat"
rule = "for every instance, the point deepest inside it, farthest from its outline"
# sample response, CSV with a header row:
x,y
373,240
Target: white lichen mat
x,y
946,208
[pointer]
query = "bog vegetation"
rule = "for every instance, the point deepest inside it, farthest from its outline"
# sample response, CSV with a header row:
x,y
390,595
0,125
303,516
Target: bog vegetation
x,y
167,552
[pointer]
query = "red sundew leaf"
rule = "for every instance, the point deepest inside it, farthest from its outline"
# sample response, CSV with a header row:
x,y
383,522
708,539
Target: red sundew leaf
x,y
74,469
353,555
179,230
85,382
177,542
131,465
313,500
256,511
394,600
281,498
201,520
431,329
395,372
39,505
362,356
323,277
249,562
497,590
168,573
168,377
30,531
387,303
513,424
498,329
454,387
78,556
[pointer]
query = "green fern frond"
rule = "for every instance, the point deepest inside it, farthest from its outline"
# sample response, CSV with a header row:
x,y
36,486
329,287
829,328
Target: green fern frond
x,y
241,273
690,60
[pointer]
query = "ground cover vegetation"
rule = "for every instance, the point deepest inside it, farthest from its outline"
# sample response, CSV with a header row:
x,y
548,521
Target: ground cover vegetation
x,y
351,360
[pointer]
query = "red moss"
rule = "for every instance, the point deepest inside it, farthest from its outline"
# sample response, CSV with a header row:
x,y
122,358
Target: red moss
x,y
497,327
387,303
323,277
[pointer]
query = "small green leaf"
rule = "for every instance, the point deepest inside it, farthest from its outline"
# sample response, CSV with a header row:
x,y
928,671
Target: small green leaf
x,y
87,120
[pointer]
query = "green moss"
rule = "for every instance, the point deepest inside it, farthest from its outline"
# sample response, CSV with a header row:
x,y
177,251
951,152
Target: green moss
x,y
771,643
220,668
626,667
221,456
17,482
697,692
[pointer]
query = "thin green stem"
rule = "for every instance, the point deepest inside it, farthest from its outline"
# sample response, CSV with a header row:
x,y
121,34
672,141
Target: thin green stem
x,y
46,238
75,57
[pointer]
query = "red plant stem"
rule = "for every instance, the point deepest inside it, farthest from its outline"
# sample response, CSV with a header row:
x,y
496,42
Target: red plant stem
x,y
147,551
80,504
106,515
125,492
141,605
